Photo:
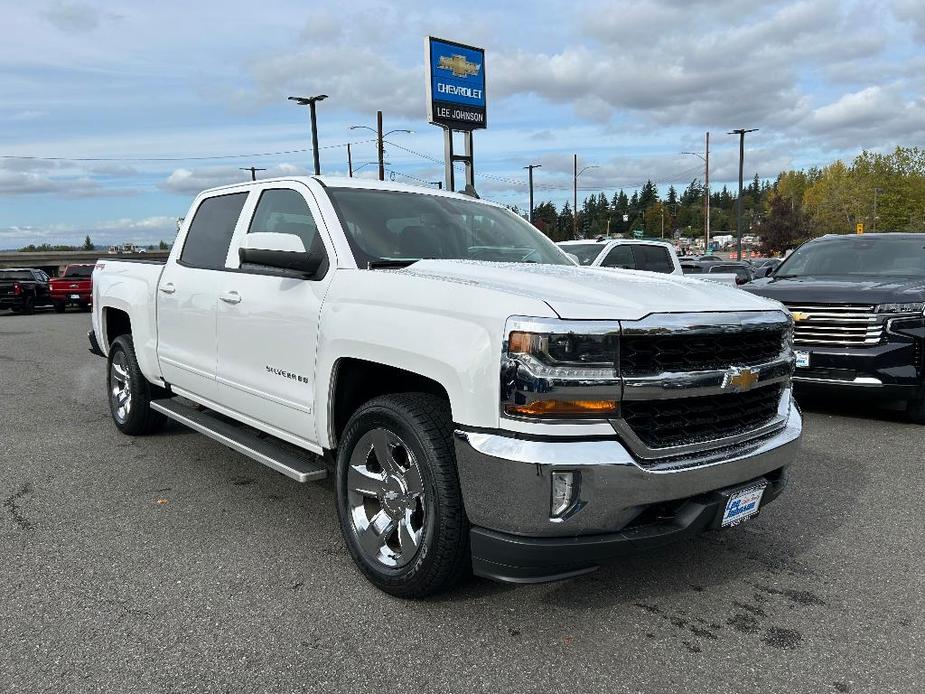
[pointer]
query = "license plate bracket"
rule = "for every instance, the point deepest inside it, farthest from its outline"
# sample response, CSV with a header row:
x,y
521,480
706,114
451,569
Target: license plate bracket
x,y
802,358
742,504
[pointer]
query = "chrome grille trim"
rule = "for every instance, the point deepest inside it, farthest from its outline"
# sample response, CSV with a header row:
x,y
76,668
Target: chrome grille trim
x,y
837,325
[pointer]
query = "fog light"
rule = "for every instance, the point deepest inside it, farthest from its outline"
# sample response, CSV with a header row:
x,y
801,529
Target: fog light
x,y
564,491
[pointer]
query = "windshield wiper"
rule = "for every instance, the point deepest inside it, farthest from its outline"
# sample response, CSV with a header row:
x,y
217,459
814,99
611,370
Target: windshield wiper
x,y
386,264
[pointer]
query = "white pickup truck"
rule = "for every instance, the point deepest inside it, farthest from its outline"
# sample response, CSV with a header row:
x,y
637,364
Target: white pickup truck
x,y
481,401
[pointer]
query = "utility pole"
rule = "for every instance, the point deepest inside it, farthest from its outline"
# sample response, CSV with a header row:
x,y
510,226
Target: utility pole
x,y
741,133
254,170
575,197
349,162
706,177
310,101
873,222
529,168
379,145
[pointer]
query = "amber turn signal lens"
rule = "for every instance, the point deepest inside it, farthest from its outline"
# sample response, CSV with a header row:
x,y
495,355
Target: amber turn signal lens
x,y
519,343
568,408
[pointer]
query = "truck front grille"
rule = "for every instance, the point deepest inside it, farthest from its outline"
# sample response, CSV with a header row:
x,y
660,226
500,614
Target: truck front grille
x,y
837,325
654,354
684,421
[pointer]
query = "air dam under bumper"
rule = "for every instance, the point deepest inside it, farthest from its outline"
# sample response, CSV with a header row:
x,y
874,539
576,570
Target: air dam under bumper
x,y
622,506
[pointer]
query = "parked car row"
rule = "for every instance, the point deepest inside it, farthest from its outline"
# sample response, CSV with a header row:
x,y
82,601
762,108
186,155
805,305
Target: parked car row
x,y
22,290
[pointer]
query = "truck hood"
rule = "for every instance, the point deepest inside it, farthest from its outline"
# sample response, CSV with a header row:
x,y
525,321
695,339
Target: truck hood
x,y
852,289
587,293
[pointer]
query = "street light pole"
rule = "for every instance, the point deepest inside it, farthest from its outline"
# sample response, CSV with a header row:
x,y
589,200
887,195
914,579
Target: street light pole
x,y
529,168
575,197
741,133
349,162
873,222
705,158
380,140
254,170
310,101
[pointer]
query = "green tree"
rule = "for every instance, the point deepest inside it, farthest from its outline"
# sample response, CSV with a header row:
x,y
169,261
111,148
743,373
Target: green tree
x,y
88,244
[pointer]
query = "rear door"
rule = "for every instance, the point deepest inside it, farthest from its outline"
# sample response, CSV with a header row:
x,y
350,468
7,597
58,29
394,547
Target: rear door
x,y
187,295
268,319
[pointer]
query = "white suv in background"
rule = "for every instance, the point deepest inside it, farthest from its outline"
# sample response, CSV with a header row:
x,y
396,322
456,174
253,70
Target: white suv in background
x,y
625,254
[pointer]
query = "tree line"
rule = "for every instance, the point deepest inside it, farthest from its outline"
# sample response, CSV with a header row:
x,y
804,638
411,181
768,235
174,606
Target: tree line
x,y
884,192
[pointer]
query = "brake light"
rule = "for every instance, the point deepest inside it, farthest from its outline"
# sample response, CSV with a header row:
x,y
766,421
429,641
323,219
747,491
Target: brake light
x,y
17,289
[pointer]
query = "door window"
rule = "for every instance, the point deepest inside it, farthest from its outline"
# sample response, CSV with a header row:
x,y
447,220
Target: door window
x,y
284,211
621,257
210,232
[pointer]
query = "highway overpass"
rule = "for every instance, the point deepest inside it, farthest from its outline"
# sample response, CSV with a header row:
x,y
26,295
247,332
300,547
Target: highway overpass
x,y
54,262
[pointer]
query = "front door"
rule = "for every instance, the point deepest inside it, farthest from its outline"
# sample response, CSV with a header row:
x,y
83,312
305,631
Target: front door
x,y
268,322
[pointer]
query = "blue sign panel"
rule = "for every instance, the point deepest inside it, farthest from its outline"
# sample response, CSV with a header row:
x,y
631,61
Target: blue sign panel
x,y
455,85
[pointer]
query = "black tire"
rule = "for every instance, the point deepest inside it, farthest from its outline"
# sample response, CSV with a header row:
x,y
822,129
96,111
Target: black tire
x,y
60,306
28,305
84,307
421,422
138,418
915,410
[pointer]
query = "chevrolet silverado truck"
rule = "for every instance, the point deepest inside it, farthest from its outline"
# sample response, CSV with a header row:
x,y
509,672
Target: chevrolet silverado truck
x,y
22,289
483,404
75,288
858,302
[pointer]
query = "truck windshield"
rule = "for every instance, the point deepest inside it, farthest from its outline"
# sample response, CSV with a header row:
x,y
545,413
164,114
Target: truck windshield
x,y
904,257
385,227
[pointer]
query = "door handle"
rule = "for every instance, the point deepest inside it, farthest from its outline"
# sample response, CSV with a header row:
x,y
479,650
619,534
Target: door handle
x,y
231,297
168,288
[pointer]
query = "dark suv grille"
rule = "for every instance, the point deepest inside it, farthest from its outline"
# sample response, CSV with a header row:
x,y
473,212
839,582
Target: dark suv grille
x,y
654,354
665,423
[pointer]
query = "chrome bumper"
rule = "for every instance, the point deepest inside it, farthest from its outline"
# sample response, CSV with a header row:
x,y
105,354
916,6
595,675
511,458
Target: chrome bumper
x,y
506,481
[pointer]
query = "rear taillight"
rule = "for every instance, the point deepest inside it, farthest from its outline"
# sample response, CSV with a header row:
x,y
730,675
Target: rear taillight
x,y
17,289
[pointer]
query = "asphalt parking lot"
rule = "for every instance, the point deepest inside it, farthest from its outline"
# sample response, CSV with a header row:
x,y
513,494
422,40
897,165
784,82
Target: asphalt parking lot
x,y
170,563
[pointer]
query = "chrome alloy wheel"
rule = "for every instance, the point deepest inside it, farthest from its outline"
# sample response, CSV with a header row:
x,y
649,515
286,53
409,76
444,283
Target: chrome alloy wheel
x,y
385,495
120,388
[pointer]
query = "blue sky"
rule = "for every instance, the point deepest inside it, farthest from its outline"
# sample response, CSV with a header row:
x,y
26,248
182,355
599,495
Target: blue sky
x,y
626,85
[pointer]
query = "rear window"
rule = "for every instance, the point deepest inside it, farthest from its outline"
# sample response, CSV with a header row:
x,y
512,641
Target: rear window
x,y
691,269
79,271
210,232
16,275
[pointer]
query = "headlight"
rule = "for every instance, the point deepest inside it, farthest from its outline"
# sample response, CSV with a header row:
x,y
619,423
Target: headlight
x,y
910,308
560,369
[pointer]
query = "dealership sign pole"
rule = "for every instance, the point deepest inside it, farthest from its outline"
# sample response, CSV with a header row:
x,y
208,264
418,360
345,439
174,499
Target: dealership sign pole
x,y
456,99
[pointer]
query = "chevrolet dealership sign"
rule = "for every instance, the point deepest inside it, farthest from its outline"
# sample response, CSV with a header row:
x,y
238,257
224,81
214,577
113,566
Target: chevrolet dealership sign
x,y
455,85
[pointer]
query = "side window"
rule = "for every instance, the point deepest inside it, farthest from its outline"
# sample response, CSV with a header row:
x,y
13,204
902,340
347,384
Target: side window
x,y
210,232
653,258
284,211
620,256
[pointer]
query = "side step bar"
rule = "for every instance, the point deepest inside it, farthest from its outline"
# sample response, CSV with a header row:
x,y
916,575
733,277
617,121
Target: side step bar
x,y
293,462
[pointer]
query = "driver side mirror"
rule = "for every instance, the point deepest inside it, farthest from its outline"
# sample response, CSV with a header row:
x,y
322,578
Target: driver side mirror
x,y
279,251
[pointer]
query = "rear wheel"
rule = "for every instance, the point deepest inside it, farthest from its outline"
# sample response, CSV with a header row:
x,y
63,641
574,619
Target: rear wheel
x,y
129,391
60,306
398,496
28,305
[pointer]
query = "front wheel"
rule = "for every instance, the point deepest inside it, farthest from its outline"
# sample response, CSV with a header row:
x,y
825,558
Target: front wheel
x,y
129,391
398,496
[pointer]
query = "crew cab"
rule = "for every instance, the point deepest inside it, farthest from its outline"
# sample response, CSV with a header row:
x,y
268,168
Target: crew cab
x,y
710,270
858,303
73,288
626,254
482,402
22,289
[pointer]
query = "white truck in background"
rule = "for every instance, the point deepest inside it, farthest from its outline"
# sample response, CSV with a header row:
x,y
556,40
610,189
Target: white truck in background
x,y
481,401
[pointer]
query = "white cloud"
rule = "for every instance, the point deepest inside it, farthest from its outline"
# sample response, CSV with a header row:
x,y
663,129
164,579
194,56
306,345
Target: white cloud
x,y
193,181
144,231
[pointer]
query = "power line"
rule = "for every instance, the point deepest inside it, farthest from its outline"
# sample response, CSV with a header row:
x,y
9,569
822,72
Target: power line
x,y
196,158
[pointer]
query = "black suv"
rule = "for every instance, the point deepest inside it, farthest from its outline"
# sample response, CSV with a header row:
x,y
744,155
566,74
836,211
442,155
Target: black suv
x,y
858,305
21,290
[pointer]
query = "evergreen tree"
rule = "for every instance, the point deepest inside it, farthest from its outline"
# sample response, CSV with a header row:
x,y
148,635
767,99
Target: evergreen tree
x,y
88,244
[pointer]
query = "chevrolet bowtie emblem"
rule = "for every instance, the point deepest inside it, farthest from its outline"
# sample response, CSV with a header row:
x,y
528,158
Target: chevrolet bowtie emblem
x,y
458,65
740,380
798,316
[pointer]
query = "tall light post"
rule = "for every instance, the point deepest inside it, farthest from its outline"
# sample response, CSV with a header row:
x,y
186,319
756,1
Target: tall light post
x,y
529,168
873,222
576,174
253,170
349,161
310,101
741,133
380,139
705,157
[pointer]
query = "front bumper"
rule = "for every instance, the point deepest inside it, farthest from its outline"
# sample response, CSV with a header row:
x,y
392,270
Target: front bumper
x,y
506,485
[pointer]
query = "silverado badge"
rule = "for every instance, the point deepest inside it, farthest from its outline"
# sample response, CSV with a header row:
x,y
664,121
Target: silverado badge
x,y
740,380
458,65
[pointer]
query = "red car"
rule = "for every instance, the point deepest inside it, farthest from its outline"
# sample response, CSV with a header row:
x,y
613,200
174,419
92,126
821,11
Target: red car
x,y
75,287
